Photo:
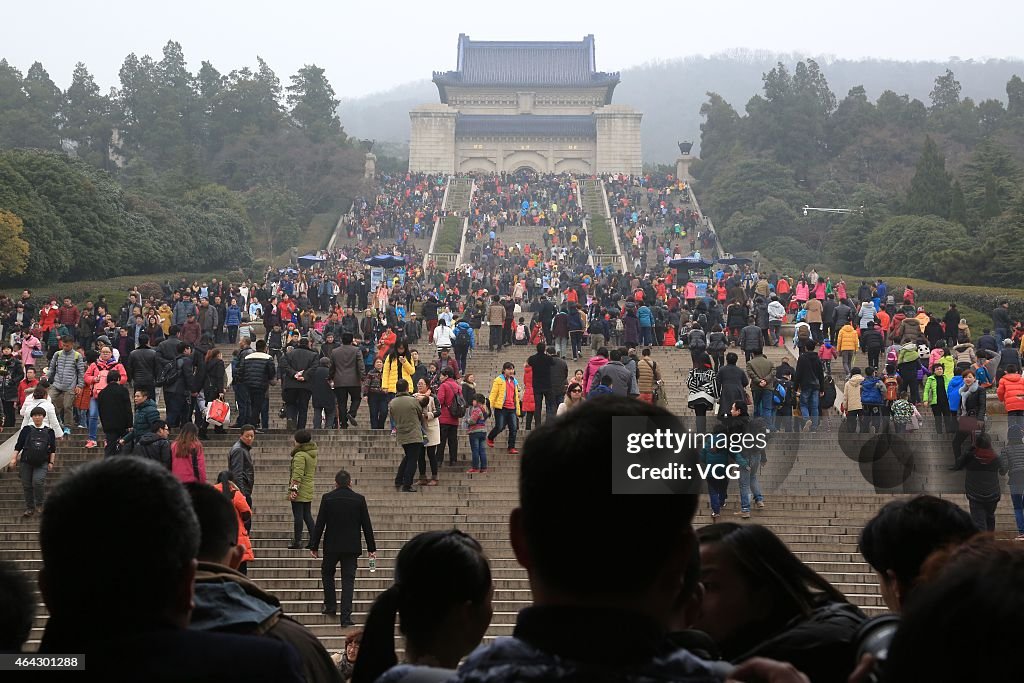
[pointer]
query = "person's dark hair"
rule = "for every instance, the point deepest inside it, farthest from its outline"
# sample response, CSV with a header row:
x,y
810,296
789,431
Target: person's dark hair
x,y
261,345
978,587
768,566
342,478
226,478
303,436
402,385
17,607
144,391
434,572
448,372
157,426
218,522
603,352
567,448
731,358
173,330
38,410
77,543
67,338
646,352
541,347
508,366
346,338
616,355
905,532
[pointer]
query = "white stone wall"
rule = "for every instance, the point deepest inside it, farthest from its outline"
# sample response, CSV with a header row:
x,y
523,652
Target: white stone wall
x,y
432,145
555,101
546,155
618,139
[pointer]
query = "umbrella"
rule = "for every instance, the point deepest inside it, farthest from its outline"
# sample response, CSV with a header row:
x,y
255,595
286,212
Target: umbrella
x,y
735,261
288,270
385,261
689,263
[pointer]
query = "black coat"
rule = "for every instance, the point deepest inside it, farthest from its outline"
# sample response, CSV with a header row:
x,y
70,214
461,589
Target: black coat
x,y
142,367
541,364
341,517
115,406
154,447
11,374
214,379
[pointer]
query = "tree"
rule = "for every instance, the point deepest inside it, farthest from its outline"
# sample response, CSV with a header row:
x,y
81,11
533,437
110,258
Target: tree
x,y
86,115
930,187
991,179
1015,97
958,205
314,107
14,255
926,247
946,93
44,105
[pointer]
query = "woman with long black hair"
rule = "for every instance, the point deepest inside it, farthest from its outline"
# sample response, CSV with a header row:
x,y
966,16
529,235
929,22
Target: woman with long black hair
x,y
442,595
761,600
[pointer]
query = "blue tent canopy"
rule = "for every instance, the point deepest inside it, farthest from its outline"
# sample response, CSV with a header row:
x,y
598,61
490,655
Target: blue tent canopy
x,y
690,263
309,260
385,261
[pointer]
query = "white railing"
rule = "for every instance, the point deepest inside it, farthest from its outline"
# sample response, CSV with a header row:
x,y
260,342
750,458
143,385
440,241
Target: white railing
x,y
437,222
719,250
342,222
465,222
611,225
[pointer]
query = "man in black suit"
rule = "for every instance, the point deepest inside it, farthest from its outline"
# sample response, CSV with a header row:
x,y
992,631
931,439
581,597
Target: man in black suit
x,y
342,515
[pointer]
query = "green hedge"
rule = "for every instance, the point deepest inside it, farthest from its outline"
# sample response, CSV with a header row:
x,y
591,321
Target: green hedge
x,y
601,235
449,239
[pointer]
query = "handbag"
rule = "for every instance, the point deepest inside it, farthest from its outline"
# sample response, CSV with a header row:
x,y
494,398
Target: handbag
x,y
218,412
969,424
83,399
37,353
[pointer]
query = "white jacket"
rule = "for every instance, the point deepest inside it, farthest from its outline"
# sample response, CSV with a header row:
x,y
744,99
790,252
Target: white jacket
x,y
51,415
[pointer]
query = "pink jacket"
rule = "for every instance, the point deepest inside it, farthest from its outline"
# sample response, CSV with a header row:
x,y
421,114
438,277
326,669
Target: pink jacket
x,y
802,292
27,345
593,365
96,375
182,467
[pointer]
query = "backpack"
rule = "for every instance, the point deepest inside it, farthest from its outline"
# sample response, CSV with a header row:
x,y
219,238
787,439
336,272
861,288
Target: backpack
x,y
901,411
619,326
457,407
892,388
779,394
36,451
521,333
169,374
461,336
893,355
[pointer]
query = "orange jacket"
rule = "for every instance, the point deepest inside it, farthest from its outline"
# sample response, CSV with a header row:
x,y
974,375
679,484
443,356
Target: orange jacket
x,y
241,508
1011,391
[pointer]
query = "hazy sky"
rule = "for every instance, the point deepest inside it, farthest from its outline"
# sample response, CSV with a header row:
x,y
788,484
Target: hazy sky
x,y
374,45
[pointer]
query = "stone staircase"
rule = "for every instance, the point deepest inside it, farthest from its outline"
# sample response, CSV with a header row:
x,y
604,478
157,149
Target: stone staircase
x,y
817,501
459,192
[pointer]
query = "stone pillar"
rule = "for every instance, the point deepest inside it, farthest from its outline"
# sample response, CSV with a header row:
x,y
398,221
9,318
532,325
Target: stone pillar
x,y
683,167
370,169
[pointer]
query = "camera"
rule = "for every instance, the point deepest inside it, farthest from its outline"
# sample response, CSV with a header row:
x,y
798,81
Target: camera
x,y
873,638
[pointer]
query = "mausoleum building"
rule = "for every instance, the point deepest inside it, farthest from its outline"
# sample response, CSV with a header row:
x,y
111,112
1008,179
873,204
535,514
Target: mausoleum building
x,y
515,104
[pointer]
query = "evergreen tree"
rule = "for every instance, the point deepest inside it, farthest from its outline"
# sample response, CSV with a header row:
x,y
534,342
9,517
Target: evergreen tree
x,y
957,205
86,115
946,93
930,187
314,107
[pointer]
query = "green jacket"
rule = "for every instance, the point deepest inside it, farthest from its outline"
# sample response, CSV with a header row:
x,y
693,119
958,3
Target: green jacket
x,y
303,471
930,394
145,415
406,411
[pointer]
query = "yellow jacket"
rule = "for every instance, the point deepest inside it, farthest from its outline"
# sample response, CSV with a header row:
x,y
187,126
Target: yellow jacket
x,y
164,312
497,396
389,377
847,340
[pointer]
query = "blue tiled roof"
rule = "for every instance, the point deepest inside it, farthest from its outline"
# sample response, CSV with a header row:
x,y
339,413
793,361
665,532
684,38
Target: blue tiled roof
x,y
526,64
525,124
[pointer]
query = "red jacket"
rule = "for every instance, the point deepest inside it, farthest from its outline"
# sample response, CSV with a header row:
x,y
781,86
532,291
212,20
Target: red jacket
x,y
445,395
529,404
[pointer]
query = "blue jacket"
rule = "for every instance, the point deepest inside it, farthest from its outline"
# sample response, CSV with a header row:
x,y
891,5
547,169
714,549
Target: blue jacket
x,y
645,316
872,391
233,316
953,392
465,326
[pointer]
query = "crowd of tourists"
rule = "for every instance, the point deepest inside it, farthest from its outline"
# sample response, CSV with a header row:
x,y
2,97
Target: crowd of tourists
x,y
725,601
310,343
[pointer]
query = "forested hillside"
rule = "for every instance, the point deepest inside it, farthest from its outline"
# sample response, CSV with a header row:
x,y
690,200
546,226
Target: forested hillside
x,y
939,183
670,93
206,169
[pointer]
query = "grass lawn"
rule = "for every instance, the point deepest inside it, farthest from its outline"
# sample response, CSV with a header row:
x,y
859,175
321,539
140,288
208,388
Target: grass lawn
x,y
319,232
115,289
449,239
